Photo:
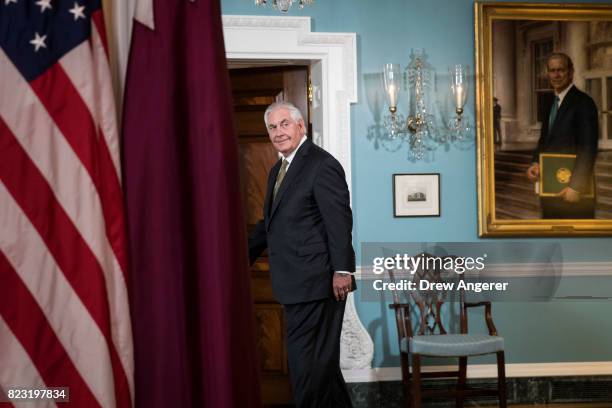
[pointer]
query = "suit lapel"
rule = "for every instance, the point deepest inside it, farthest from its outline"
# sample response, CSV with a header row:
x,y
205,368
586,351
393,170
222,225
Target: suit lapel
x,y
294,169
271,180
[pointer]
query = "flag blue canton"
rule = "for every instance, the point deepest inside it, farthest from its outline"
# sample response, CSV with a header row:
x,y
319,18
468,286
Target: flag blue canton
x,y
35,34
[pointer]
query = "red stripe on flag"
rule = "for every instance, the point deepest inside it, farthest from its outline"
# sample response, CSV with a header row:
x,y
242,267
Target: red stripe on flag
x,y
64,241
71,116
98,19
29,325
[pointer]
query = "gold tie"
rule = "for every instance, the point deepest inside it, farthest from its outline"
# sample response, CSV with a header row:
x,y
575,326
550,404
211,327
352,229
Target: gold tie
x,y
280,177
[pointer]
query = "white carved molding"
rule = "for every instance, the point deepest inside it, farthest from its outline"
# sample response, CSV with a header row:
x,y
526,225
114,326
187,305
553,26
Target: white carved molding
x,y
356,346
334,57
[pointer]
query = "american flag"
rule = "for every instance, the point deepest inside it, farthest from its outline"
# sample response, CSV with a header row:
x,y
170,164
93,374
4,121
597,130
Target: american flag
x,y
64,316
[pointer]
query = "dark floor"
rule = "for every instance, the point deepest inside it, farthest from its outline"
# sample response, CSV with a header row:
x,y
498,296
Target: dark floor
x,y
583,405
560,392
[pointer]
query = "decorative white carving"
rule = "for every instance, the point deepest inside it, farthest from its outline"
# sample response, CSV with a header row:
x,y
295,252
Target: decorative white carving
x,y
291,38
356,346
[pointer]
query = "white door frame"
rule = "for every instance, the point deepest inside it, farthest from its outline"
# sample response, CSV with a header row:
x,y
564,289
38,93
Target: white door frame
x,y
291,38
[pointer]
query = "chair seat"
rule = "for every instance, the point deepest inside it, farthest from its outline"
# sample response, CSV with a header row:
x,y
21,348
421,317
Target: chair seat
x,y
454,345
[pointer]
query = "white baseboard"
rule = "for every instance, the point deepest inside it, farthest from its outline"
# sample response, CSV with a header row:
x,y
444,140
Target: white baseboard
x,y
578,369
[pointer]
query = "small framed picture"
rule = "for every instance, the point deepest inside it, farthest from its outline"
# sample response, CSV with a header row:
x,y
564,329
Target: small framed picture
x,y
416,195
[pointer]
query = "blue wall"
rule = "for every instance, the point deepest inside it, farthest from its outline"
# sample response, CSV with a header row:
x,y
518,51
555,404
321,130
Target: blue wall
x,y
386,31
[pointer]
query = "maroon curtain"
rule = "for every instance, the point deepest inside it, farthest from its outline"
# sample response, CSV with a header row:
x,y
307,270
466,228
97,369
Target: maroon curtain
x,y
190,293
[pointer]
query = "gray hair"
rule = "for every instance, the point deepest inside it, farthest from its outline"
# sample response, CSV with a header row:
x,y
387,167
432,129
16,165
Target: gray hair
x,y
569,64
293,111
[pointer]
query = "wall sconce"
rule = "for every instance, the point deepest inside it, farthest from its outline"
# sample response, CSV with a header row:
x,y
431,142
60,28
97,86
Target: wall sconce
x,y
419,128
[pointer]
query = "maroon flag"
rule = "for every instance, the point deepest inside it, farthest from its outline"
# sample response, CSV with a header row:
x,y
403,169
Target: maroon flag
x,y
190,293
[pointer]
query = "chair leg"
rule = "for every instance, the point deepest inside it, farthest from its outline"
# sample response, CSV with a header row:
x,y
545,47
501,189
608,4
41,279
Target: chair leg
x,y
406,380
416,381
501,379
461,382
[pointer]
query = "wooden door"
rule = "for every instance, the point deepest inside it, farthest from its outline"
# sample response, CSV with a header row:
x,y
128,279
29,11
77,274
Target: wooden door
x,y
253,89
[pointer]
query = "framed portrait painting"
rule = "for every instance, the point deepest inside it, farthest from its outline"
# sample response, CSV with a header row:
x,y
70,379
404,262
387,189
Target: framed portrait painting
x,y
544,87
416,195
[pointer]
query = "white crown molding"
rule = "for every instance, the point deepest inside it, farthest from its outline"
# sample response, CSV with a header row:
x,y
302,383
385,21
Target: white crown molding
x,y
302,41
569,369
523,270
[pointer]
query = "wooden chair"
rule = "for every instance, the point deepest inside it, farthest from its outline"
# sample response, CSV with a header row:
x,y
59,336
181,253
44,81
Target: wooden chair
x,y
432,340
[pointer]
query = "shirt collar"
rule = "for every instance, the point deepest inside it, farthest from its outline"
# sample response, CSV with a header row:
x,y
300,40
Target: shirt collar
x,y
292,155
564,92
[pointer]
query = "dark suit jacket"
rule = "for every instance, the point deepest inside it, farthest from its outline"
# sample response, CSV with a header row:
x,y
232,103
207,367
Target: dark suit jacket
x,y
575,131
308,228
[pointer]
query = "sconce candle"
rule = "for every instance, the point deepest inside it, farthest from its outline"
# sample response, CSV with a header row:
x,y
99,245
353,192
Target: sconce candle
x,y
391,76
459,84
459,75
459,96
392,90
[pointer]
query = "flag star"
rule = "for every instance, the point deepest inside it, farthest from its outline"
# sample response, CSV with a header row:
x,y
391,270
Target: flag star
x,y
38,42
7,2
77,11
44,4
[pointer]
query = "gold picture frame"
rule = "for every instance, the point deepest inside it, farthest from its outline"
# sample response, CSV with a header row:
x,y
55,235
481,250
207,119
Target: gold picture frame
x,y
515,28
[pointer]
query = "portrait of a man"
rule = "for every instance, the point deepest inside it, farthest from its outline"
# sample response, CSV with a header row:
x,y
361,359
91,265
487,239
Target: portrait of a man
x,y
572,128
550,79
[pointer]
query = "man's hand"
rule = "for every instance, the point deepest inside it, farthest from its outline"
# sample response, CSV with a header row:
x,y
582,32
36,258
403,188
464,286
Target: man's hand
x,y
342,284
533,172
570,195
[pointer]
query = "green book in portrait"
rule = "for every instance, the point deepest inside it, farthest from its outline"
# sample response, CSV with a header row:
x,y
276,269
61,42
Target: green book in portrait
x,y
556,172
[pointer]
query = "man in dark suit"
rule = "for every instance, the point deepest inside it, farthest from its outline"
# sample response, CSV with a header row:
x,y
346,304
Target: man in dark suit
x,y
571,128
307,228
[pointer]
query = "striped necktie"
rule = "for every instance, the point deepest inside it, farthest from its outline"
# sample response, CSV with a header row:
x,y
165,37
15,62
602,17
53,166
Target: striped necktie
x,y
553,113
279,178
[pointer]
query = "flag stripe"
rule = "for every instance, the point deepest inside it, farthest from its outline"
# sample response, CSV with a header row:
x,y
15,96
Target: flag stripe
x,y
107,109
79,129
72,255
85,60
97,17
79,67
18,370
28,323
